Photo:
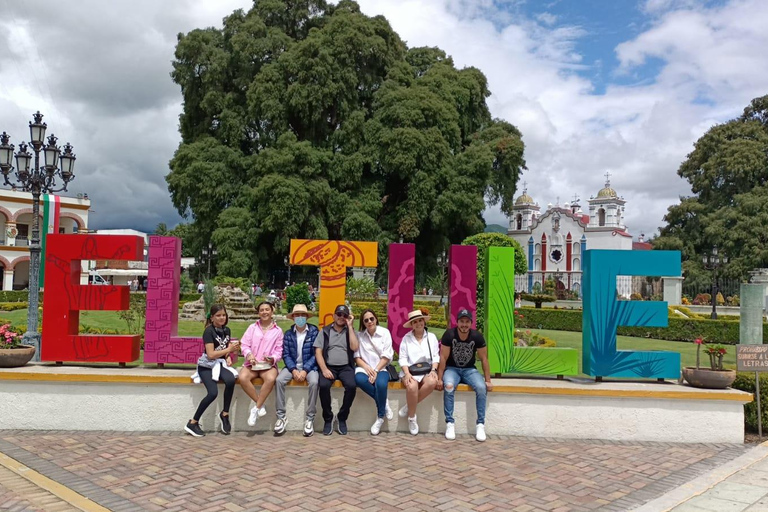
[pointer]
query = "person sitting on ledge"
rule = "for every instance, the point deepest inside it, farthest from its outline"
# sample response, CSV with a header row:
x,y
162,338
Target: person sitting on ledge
x,y
213,365
373,355
300,366
457,364
262,346
334,351
419,358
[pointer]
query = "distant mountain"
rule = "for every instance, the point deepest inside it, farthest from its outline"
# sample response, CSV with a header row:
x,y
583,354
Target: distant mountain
x,y
495,228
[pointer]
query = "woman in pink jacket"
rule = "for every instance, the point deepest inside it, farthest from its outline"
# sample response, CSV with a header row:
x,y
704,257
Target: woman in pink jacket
x,y
262,348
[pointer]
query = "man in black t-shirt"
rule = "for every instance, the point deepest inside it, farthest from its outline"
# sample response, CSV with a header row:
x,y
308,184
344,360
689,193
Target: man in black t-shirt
x,y
457,365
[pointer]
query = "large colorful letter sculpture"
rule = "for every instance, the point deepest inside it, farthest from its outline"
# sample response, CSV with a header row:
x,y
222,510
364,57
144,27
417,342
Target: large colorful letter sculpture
x,y
65,297
333,257
603,313
463,263
402,268
161,341
499,322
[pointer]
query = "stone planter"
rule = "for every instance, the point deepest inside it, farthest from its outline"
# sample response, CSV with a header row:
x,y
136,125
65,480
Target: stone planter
x,y
14,357
707,378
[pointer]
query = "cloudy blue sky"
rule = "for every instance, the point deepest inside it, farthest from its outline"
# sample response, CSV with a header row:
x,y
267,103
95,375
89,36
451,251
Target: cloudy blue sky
x,y
596,86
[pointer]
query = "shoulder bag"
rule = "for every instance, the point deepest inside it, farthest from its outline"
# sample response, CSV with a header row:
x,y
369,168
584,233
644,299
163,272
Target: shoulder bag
x,y
422,368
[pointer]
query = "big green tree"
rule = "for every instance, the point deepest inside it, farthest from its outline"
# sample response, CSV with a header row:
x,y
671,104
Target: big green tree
x,y
728,173
308,120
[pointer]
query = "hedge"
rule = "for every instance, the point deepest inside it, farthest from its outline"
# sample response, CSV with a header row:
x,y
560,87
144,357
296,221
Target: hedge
x,y
745,381
13,306
436,311
679,329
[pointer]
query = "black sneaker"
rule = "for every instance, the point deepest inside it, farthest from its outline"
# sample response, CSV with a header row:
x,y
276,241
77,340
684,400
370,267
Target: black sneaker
x,y
194,429
226,428
341,427
328,428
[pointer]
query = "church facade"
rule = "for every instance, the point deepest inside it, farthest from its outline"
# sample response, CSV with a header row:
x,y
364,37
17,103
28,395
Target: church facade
x,y
554,241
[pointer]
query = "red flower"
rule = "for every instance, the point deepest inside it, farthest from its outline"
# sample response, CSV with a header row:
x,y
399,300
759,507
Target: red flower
x,y
699,341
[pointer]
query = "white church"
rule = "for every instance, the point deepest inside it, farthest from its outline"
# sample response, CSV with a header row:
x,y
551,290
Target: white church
x,y
554,241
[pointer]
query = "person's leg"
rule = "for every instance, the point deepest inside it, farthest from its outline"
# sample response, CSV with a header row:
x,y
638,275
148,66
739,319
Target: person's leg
x,y
268,378
361,379
347,377
451,379
412,397
472,377
312,383
426,386
282,380
229,389
324,385
382,384
210,386
245,378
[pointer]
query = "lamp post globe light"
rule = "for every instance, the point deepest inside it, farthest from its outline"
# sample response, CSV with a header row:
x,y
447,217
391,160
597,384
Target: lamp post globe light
x,y
713,261
37,180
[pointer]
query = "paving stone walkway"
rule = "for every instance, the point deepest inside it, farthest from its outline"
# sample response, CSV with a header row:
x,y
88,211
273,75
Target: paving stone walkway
x,y
245,471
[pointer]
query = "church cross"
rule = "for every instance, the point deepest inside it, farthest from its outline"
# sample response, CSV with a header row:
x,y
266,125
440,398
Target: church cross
x,y
607,179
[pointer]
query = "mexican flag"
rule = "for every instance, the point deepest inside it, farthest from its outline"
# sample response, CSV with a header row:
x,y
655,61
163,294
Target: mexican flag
x,y
51,213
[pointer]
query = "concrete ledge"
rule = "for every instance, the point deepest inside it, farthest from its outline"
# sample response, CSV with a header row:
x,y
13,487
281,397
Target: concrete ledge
x,y
48,397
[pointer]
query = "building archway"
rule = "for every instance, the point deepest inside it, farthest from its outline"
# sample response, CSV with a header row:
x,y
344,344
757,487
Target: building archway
x,y
21,273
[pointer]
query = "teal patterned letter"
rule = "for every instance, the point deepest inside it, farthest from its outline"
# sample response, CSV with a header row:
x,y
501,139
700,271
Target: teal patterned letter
x,y
603,313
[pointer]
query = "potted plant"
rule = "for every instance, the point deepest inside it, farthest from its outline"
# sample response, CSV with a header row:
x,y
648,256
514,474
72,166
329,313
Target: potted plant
x,y
714,377
12,352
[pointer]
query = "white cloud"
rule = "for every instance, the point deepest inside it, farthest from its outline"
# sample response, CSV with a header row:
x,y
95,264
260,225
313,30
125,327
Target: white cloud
x,y
100,74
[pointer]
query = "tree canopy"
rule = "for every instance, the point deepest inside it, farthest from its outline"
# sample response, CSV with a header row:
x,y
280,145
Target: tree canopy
x,y
728,173
304,119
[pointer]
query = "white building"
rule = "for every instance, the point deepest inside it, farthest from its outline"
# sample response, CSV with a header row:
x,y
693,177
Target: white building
x,y
554,241
16,230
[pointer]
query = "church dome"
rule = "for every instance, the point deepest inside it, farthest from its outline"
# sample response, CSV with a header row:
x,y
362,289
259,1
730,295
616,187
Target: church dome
x,y
524,198
607,192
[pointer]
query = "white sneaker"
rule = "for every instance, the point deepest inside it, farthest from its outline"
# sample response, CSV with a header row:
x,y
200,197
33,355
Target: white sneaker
x,y
450,431
403,412
413,426
389,412
376,428
309,428
479,432
256,413
280,426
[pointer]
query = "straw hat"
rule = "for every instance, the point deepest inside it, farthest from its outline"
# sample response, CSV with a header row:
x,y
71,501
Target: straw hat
x,y
415,315
299,309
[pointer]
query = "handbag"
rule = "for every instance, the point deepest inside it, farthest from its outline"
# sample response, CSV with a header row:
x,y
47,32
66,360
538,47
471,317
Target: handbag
x,y
394,375
422,368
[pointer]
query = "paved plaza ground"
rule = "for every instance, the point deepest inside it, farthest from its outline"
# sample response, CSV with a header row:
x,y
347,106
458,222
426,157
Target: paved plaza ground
x,y
245,471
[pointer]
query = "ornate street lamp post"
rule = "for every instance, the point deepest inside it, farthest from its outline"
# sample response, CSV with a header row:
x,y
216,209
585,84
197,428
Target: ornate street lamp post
x,y
37,180
209,253
712,262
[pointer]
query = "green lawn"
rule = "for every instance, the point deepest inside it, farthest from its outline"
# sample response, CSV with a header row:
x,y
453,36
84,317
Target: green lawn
x,y
110,320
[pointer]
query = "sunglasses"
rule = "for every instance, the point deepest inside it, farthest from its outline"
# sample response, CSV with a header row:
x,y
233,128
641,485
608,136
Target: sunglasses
x,y
369,320
342,315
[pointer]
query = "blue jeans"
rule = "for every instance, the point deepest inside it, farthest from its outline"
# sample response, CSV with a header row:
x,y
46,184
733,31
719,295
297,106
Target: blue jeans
x,y
377,391
452,376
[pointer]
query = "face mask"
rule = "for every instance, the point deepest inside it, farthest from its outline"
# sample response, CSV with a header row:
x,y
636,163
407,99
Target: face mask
x,y
300,321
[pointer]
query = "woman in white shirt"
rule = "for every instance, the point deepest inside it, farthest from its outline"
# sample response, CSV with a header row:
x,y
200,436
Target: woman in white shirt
x,y
373,356
419,357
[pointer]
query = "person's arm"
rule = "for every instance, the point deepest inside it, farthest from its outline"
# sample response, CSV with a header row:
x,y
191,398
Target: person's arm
x,y
310,362
482,353
277,348
210,343
388,352
354,343
435,349
245,343
321,364
405,362
445,352
288,359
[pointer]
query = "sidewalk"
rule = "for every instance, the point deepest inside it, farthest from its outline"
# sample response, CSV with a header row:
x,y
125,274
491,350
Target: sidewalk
x,y
736,486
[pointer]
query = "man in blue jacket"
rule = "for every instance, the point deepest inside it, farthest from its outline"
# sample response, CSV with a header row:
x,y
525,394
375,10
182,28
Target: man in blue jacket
x,y
300,366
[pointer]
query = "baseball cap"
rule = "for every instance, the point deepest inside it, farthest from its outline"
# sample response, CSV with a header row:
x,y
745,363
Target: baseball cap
x,y
464,313
342,310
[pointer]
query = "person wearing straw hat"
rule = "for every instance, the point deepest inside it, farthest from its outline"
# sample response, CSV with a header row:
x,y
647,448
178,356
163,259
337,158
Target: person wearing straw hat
x,y
419,357
300,366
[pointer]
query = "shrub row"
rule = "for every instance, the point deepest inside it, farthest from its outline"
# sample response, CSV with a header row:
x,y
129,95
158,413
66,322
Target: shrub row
x,y
679,329
436,311
745,381
13,306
